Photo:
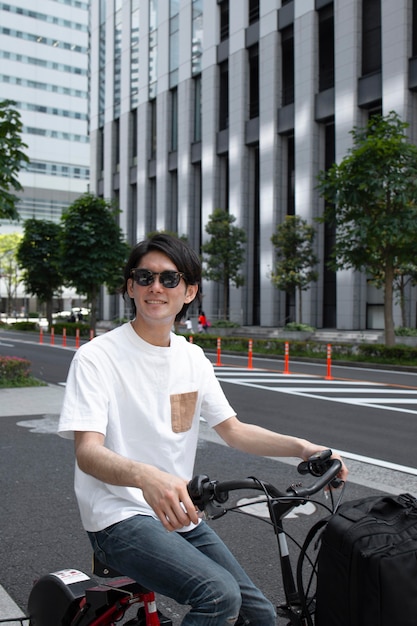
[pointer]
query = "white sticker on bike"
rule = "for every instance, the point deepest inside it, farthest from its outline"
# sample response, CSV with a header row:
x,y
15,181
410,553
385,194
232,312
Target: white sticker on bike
x,y
70,576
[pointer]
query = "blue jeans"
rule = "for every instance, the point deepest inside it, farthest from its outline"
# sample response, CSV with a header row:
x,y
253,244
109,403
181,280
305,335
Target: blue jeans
x,y
193,568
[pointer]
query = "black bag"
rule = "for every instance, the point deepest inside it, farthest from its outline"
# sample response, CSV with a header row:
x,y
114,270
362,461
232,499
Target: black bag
x,y
367,564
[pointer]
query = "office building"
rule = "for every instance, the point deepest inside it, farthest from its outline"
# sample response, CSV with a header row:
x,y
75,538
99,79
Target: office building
x,y
238,104
44,69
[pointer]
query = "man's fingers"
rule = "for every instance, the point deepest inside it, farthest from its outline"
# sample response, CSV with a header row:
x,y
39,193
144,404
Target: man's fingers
x,y
175,518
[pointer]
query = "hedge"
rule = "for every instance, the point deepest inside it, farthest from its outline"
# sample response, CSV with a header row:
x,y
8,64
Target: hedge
x,y
71,328
362,352
13,371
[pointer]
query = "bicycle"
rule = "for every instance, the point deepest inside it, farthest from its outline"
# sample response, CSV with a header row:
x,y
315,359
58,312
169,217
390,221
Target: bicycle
x,y
210,496
71,598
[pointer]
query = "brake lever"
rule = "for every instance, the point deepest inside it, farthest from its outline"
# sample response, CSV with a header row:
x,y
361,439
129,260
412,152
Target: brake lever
x,y
212,510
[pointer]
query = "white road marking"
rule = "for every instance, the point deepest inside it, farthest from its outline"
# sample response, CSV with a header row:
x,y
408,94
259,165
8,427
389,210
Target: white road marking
x,y
320,388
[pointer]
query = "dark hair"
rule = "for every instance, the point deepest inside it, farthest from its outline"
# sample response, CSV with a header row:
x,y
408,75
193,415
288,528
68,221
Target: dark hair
x,y
181,254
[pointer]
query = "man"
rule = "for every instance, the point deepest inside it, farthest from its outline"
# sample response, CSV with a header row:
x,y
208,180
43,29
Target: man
x,y
133,402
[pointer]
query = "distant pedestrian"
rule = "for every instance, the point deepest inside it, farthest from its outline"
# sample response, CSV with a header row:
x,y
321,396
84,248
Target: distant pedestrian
x,y
189,326
202,322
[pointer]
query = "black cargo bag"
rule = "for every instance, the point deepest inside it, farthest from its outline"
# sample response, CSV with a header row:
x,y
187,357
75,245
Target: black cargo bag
x,y
367,564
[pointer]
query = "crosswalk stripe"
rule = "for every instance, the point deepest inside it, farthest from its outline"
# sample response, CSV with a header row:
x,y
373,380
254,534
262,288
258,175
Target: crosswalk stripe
x,y
362,393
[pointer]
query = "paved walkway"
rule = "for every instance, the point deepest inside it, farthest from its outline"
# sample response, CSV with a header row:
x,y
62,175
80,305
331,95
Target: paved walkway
x,y
31,400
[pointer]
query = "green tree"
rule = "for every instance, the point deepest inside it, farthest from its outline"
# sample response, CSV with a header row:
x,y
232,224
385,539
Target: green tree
x,y
167,232
372,201
11,158
295,257
224,253
404,275
39,256
93,248
9,269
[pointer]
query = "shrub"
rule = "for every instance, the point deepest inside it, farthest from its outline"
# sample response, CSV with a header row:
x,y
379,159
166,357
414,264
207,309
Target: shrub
x,y
402,331
293,326
15,372
71,328
25,325
406,355
224,324
371,353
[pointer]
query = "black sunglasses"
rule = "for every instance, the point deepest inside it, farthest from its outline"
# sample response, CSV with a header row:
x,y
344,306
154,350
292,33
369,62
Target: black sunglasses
x,y
167,278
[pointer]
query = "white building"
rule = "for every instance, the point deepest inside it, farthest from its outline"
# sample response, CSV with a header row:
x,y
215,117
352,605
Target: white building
x,y
237,104
44,68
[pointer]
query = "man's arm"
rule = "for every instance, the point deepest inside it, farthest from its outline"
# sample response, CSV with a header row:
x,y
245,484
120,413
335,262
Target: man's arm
x,y
257,440
167,495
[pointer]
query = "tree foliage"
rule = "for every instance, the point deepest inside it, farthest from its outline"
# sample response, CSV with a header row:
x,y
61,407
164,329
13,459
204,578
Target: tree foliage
x,y
9,269
11,158
295,258
372,200
224,253
93,248
39,256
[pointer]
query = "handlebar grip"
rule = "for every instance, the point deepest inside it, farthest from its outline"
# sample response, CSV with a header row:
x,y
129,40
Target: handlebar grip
x,y
196,490
202,492
322,481
316,464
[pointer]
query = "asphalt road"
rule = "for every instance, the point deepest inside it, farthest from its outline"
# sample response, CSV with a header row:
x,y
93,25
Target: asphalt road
x,y
49,363
387,434
40,526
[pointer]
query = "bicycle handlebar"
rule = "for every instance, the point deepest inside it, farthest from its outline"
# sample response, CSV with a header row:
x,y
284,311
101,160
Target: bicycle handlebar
x,y
205,493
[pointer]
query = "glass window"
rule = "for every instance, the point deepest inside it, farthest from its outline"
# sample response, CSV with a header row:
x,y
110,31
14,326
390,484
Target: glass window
x,y
287,44
414,27
253,81
134,59
174,120
153,47
197,108
153,129
197,37
253,11
224,20
326,48
224,96
371,36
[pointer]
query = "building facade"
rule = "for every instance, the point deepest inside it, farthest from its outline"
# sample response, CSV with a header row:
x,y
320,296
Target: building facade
x,y
44,69
238,104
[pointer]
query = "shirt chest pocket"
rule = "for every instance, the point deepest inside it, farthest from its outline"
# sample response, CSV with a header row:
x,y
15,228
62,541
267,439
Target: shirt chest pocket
x,y
183,407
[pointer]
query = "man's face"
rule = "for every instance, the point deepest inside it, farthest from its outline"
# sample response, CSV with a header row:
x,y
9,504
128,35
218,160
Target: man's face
x,y
156,302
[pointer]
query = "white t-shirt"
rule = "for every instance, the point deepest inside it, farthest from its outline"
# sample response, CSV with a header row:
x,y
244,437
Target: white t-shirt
x,y
147,401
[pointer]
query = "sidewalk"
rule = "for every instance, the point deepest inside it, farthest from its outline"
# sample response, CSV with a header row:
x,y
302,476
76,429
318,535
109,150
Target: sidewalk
x,y
31,400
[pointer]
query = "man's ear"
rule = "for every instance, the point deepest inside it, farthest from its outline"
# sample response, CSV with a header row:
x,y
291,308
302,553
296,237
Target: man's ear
x,y
129,286
190,293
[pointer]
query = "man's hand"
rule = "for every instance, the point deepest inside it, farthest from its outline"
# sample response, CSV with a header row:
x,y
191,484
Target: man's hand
x,y
166,494
311,449
168,497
